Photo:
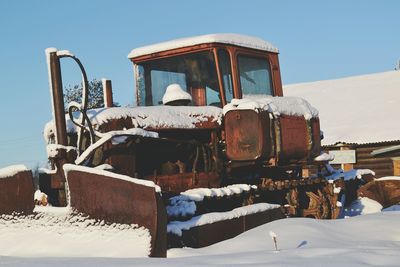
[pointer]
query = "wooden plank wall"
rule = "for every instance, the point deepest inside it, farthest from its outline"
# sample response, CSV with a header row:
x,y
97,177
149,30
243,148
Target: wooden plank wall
x,y
381,166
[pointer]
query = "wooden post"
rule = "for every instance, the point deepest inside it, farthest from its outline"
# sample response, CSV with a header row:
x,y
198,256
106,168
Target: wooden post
x,y
396,166
107,92
346,166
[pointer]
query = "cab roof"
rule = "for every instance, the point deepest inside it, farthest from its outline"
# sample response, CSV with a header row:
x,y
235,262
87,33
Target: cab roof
x,y
224,38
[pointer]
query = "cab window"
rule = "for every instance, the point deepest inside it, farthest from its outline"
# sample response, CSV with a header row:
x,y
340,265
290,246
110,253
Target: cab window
x,y
196,73
255,75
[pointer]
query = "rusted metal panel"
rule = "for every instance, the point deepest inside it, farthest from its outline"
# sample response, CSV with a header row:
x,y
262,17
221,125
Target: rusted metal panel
x,y
205,235
126,123
386,192
120,201
315,138
183,181
208,234
253,220
198,96
293,138
16,193
247,135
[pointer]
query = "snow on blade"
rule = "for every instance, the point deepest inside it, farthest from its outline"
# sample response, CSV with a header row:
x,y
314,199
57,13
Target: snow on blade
x,y
278,105
12,170
176,227
57,232
224,38
72,167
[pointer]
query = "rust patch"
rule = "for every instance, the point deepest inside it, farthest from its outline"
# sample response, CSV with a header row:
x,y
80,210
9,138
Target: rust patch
x,y
114,200
16,193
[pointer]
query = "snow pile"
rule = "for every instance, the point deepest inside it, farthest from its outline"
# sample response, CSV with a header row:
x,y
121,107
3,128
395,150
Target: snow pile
x,y
278,105
180,206
325,157
56,232
12,170
184,204
369,240
146,117
52,149
389,178
224,38
359,109
40,198
198,194
176,227
362,206
72,167
392,208
348,175
352,242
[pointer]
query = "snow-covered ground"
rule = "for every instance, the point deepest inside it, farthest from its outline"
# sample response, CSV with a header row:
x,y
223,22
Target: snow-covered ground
x,y
359,109
366,240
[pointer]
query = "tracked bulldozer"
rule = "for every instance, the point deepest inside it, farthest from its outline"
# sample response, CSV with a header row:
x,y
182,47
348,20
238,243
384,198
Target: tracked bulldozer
x,y
212,148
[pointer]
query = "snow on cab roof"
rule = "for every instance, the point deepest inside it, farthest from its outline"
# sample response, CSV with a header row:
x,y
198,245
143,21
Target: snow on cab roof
x,y
224,38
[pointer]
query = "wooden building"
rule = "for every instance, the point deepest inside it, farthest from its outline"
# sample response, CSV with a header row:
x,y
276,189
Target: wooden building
x,y
359,115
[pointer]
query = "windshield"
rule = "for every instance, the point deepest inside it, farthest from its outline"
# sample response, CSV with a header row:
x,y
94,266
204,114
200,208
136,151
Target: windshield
x,y
255,77
195,73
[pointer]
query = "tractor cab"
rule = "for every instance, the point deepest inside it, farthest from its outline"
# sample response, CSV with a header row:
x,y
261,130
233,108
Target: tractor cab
x,y
213,69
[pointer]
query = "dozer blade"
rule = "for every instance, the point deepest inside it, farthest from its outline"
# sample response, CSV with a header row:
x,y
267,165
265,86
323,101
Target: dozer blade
x,y
386,191
16,190
117,198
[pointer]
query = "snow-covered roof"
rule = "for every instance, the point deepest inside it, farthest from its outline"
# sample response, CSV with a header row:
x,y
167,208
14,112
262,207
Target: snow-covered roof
x,y
224,38
360,109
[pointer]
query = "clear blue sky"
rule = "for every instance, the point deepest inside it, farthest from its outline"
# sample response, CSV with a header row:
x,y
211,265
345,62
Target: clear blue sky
x,y
318,40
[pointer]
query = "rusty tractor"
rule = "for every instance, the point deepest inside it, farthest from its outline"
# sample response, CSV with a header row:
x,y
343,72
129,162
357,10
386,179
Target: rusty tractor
x,y
211,149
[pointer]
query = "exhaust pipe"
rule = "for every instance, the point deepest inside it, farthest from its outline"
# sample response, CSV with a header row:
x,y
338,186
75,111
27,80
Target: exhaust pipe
x,y
107,93
57,96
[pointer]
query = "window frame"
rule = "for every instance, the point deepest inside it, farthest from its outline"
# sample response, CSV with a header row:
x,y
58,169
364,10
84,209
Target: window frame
x,y
257,55
204,48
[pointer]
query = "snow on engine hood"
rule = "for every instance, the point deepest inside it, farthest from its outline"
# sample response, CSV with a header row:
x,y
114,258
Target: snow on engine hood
x,y
186,117
279,105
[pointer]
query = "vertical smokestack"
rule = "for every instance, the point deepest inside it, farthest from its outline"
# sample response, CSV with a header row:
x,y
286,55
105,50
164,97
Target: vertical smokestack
x,y
56,88
107,92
